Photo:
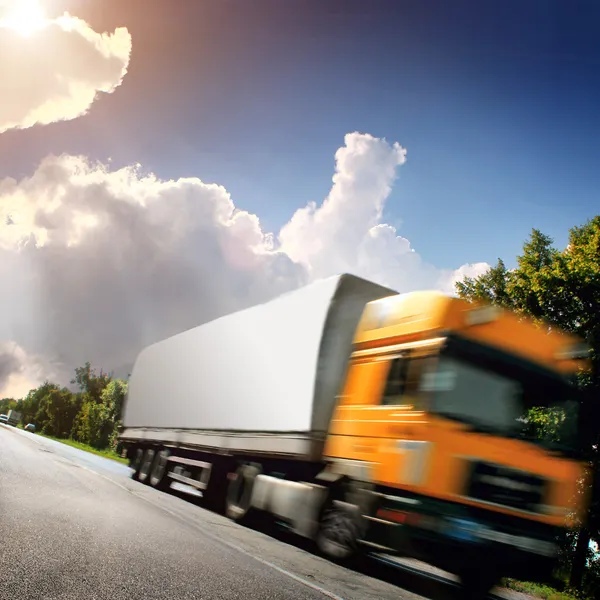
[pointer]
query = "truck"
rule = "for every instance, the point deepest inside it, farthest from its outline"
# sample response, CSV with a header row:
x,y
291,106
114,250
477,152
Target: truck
x,y
372,422
13,418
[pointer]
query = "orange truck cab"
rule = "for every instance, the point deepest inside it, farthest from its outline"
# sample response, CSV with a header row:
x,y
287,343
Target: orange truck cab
x,y
433,420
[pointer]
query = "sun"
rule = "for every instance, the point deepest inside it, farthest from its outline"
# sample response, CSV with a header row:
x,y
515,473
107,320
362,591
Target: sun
x,y
24,17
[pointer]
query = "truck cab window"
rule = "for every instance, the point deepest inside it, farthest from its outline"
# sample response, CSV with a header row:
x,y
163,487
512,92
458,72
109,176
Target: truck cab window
x,y
403,381
396,382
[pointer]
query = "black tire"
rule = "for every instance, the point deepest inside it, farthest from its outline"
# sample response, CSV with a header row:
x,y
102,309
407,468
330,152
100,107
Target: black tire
x,y
159,472
339,533
239,493
146,466
136,463
213,498
342,525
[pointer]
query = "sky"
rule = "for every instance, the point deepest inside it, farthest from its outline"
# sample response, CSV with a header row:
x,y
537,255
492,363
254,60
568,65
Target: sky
x,y
164,163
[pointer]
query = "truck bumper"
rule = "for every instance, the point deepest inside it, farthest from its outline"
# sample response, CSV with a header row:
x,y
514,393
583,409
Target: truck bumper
x,y
451,536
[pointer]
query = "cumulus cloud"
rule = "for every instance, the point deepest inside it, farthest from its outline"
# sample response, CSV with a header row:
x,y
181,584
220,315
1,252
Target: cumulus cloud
x,y
345,232
327,238
104,262
97,263
56,72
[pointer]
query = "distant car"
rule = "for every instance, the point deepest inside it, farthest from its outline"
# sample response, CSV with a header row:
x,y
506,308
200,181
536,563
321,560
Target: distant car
x,y
30,427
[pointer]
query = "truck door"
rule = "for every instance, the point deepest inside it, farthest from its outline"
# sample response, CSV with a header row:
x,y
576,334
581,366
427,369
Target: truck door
x,y
380,424
402,433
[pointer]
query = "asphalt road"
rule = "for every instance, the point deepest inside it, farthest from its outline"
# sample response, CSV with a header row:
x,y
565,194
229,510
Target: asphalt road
x,y
75,526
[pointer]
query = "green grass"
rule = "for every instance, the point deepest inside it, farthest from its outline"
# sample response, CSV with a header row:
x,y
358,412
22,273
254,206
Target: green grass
x,y
538,590
104,453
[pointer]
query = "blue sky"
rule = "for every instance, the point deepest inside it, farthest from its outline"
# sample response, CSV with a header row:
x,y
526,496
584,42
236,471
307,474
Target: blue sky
x,y
496,103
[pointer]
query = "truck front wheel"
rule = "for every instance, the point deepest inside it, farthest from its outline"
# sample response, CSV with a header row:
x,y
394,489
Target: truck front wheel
x,y
340,530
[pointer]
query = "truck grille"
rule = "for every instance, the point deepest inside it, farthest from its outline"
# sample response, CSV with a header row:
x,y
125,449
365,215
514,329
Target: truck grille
x,y
506,487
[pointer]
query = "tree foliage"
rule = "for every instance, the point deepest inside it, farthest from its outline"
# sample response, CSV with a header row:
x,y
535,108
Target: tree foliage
x,y
90,384
91,414
93,424
61,408
560,288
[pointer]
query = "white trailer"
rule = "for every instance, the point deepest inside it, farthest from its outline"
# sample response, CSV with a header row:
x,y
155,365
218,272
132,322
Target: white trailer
x,y
260,380
254,387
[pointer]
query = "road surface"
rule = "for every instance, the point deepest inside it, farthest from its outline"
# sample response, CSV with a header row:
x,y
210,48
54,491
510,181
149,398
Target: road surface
x,y
75,526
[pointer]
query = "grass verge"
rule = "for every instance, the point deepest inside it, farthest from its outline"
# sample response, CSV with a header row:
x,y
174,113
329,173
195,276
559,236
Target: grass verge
x,y
538,590
104,453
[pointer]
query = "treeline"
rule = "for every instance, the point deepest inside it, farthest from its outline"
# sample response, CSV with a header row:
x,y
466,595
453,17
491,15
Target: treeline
x,y
562,288
91,415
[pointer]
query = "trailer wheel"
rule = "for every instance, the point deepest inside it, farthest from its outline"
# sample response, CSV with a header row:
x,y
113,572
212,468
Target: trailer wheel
x,y
146,466
159,472
136,463
239,493
214,496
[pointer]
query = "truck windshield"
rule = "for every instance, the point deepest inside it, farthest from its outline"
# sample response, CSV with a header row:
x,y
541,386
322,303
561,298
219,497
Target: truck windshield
x,y
504,397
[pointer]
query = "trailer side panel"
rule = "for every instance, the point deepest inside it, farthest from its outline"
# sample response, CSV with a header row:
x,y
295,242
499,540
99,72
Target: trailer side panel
x,y
253,370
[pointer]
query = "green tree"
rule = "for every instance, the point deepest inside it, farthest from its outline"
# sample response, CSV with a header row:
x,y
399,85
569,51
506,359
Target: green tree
x,y
562,289
91,415
30,405
491,286
101,400
94,425
61,408
91,385
113,397
7,404
52,409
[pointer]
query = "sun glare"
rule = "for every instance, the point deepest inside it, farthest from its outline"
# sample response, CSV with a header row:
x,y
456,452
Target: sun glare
x,y
25,17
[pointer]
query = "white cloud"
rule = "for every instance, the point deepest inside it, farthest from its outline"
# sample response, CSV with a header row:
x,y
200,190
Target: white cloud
x,y
327,238
345,233
448,279
55,73
96,263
